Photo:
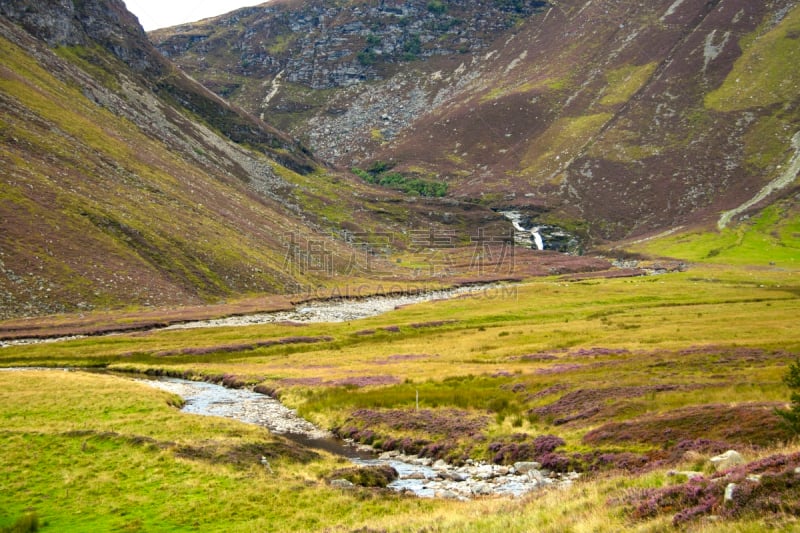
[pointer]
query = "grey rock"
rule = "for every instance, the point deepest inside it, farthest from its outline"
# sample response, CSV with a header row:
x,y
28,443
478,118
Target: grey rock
x,y
523,467
342,484
727,460
690,474
729,490
454,476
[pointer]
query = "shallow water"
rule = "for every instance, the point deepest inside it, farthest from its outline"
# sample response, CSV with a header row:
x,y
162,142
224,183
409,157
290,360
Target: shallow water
x,y
417,475
335,310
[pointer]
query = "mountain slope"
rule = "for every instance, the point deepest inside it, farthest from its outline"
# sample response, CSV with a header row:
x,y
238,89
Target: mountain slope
x,y
113,195
621,118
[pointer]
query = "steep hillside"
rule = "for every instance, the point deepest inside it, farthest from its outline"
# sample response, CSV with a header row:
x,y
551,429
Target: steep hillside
x,y
113,194
618,119
127,183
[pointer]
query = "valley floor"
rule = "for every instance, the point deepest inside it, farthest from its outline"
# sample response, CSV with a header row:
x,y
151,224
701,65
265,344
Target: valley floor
x,y
622,380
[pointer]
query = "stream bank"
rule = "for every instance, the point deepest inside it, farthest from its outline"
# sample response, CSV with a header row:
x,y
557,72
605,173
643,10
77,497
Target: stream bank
x,y
417,475
326,310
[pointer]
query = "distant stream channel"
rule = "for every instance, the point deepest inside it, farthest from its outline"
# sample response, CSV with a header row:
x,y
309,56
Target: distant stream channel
x,y
330,310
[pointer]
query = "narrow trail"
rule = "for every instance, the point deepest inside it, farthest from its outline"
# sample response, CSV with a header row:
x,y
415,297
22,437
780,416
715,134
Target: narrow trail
x,y
781,182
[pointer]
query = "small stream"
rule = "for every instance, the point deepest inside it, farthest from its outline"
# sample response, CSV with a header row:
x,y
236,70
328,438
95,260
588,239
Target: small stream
x,y
332,310
419,476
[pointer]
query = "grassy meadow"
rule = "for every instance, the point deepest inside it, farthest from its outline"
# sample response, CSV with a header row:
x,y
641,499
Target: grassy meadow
x,y
619,379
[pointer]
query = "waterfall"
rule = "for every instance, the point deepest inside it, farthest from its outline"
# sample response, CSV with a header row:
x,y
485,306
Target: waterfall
x,y
531,235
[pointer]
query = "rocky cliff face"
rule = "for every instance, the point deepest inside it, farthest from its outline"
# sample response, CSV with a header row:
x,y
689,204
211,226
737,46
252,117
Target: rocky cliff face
x,y
107,24
71,23
622,118
323,45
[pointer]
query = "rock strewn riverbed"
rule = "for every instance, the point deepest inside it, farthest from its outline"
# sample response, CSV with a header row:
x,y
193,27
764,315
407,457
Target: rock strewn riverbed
x,y
417,475
340,309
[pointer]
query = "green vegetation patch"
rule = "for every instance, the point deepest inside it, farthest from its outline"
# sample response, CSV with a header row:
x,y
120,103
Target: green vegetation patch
x,y
770,238
626,81
561,142
379,174
766,72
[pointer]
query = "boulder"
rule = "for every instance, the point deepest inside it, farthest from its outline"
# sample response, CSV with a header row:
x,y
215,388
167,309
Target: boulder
x,y
727,460
481,489
690,474
729,489
535,476
454,476
523,467
342,484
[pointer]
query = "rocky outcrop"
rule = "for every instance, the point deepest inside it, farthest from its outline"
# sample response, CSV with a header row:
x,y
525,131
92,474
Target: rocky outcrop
x,y
109,25
68,23
625,118
324,46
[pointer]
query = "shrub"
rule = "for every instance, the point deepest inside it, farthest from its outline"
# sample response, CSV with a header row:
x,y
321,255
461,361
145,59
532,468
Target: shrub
x,y
436,7
544,444
25,524
791,417
378,174
367,476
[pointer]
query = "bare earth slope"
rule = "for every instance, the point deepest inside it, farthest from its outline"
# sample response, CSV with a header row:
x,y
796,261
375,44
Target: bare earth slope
x,y
623,118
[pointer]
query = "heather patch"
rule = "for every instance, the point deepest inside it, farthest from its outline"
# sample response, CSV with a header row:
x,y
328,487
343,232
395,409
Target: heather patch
x,y
398,358
548,391
432,324
520,447
768,487
353,381
586,403
301,382
750,425
560,368
593,352
451,423
242,347
536,357
427,432
543,449
732,354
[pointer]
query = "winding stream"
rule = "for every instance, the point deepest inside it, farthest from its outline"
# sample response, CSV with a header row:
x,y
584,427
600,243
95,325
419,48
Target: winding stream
x,y
419,476
332,310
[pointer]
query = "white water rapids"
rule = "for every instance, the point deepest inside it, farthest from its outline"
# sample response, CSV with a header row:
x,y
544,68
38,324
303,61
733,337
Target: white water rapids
x,y
516,221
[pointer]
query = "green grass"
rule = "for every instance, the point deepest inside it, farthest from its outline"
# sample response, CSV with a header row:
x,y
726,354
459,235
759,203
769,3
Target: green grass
x,y
722,334
764,74
625,81
108,460
770,238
